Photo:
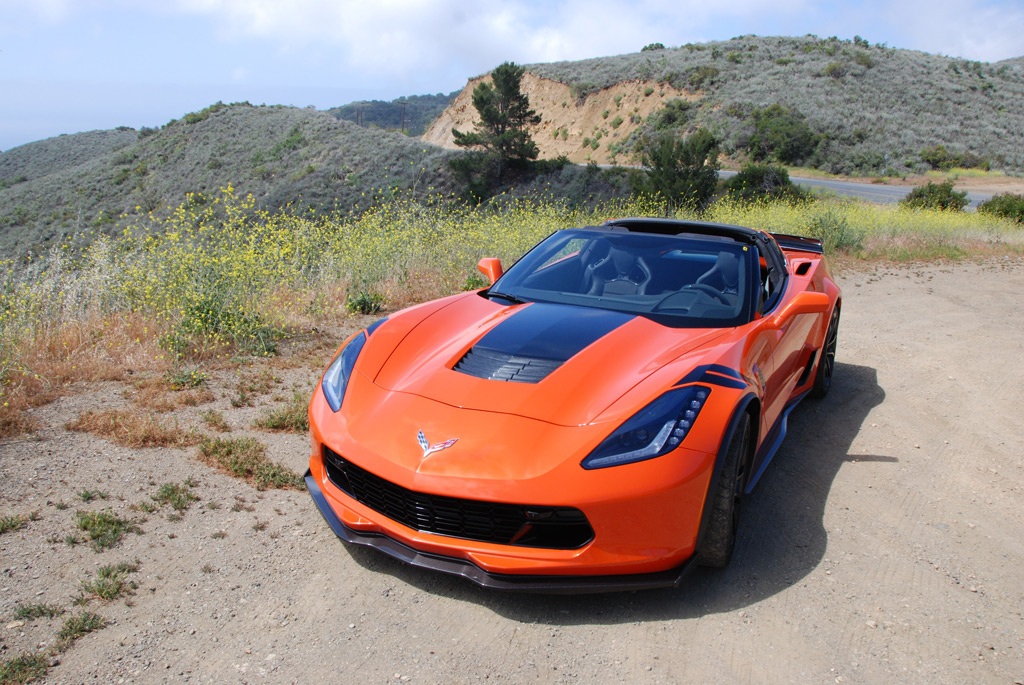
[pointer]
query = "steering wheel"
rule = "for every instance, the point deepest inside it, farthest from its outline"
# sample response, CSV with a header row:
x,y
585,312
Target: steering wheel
x,y
708,290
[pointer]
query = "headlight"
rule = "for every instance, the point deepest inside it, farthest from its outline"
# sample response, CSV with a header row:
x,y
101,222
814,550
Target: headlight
x,y
655,430
338,373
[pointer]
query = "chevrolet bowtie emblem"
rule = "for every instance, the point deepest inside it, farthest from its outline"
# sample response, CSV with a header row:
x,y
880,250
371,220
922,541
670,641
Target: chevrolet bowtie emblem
x,y
429,449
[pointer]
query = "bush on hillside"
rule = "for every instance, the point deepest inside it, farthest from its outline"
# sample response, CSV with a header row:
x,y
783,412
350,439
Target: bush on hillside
x,y
702,75
762,182
1007,205
936,196
938,157
782,134
675,114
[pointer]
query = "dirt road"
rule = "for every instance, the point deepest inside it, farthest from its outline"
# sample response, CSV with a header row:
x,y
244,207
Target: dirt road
x,y
885,544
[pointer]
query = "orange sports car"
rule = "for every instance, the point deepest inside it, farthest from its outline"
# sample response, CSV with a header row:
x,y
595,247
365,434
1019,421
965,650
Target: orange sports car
x,y
591,421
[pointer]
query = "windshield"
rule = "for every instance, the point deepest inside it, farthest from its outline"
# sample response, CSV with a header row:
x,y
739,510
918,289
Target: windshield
x,y
677,281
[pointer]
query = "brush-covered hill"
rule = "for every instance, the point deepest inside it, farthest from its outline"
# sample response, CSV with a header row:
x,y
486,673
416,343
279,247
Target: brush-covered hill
x,y
871,108
281,155
43,157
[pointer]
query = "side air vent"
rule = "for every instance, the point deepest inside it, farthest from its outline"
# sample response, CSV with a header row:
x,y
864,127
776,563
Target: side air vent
x,y
802,268
500,366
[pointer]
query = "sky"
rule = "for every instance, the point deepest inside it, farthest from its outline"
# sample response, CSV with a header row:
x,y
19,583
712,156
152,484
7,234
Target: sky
x,y
78,65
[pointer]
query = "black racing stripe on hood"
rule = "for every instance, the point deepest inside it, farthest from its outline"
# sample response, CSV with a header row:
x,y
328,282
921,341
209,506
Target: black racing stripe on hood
x,y
536,340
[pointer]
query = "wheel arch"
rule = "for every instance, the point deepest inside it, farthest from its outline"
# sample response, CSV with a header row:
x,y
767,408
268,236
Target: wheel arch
x,y
748,405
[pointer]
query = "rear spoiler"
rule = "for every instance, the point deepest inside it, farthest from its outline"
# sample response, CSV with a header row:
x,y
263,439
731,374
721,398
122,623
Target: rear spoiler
x,y
798,242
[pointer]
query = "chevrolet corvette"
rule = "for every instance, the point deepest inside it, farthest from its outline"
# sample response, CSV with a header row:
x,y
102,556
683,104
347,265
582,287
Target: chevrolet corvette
x,y
590,421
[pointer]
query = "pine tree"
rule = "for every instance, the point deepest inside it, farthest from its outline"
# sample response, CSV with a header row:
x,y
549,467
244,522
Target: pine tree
x,y
684,172
504,115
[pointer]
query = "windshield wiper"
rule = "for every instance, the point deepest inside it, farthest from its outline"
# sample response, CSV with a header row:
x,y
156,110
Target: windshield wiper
x,y
505,296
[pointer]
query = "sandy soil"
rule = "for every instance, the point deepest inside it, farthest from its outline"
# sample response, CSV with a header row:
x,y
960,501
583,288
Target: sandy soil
x,y
609,116
883,545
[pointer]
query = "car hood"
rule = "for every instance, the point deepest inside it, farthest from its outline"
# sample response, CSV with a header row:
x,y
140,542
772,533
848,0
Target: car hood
x,y
560,364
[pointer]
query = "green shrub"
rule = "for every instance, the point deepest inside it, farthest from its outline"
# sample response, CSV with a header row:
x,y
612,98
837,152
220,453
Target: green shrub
x,y
292,142
676,113
835,70
936,196
762,182
782,134
835,232
938,157
210,320
699,76
863,59
196,117
364,302
1006,205
652,46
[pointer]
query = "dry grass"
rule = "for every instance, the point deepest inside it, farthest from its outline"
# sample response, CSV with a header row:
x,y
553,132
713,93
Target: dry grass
x,y
52,358
134,430
162,398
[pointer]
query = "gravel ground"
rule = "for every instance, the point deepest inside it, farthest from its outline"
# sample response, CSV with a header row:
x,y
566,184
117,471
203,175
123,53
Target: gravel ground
x,y
883,545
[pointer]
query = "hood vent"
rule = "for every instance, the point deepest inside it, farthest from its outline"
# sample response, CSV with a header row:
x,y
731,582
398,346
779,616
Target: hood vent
x,y
500,366
535,340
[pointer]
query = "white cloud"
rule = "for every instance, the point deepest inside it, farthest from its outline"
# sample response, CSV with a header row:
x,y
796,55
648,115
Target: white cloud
x,y
986,31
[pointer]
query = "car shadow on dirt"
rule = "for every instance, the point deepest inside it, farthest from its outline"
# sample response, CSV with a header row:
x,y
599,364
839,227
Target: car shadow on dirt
x,y
782,536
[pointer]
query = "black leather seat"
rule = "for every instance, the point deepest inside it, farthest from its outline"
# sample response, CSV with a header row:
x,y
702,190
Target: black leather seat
x,y
724,275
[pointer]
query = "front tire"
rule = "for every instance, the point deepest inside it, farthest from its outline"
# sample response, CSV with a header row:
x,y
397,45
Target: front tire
x,y
720,537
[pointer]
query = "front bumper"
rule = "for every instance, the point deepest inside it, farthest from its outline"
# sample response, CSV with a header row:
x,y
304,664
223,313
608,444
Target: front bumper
x,y
470,571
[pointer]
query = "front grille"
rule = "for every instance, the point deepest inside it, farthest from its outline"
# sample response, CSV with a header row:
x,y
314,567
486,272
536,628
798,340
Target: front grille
x,y
503,524
498,366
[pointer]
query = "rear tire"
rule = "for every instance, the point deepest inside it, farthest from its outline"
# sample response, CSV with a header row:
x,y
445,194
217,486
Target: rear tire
x,y
827,363
720,537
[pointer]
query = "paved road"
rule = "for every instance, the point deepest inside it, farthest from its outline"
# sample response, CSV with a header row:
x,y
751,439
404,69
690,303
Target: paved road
x,y
871,192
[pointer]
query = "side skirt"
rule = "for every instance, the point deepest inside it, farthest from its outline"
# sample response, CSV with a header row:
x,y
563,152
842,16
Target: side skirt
x,y
772,443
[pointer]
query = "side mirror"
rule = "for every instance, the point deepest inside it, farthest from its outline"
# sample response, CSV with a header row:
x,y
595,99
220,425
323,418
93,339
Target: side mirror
x,y
490,267
803,303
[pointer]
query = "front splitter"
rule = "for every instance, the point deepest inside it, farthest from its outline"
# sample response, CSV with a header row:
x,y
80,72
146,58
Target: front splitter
x,y
498,581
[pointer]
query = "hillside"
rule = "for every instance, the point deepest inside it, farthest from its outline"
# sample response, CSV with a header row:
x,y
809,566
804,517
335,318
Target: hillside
x,y
43,157
414,113
873,107
281,155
